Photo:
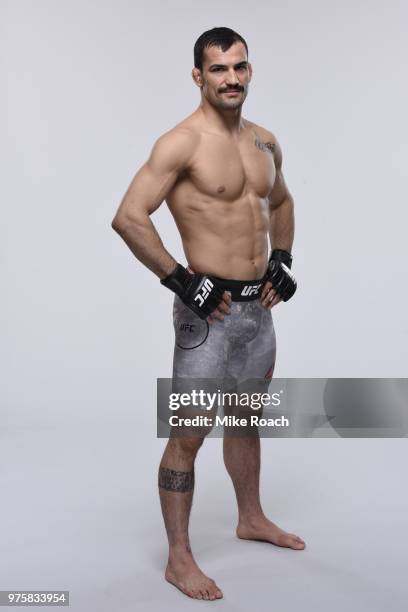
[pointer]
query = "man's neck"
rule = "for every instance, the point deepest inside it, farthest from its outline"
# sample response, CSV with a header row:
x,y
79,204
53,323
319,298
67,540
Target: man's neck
x,y
222,120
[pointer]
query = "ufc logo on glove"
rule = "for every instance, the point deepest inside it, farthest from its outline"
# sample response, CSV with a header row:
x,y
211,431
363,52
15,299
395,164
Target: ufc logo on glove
x,y
204,292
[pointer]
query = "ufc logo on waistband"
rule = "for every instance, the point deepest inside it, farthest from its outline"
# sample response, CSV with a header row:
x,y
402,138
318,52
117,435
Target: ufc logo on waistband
x,y
204,292
250,289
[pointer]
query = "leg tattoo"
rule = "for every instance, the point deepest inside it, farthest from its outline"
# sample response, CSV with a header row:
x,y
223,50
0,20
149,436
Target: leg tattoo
x,y
172,480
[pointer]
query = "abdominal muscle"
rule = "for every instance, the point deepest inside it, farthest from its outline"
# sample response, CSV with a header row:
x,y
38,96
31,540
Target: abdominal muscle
x,y
218,259
225,239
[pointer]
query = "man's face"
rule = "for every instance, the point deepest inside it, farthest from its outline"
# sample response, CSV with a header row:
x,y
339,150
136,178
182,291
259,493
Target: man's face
x,y
225,76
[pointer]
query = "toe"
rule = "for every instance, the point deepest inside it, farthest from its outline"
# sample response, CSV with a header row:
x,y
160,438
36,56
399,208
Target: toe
x,y
218,594
211,591
298,542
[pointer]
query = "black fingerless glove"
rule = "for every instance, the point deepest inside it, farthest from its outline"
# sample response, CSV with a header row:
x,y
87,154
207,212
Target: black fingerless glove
x,y
279,274
282,256
197,291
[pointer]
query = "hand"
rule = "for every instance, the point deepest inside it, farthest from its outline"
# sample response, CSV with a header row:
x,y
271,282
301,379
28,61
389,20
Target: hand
x,y
281,284
269,296
222,309
199,292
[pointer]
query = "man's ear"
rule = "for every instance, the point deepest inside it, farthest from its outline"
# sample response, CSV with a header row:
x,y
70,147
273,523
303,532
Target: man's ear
x,y
197,78
250,71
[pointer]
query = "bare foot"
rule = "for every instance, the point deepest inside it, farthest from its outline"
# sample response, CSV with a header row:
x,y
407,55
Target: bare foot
x,y
185,574
263,529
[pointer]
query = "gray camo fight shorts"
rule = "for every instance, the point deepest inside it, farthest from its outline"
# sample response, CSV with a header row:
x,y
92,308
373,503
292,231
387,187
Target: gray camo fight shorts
x,y
238,349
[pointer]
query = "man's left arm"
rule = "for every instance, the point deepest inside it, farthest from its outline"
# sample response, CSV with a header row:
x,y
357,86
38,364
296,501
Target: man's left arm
x,y
282,226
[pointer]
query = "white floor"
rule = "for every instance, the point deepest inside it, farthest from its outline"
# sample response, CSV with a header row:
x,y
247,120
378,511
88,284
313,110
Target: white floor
x,y
80,512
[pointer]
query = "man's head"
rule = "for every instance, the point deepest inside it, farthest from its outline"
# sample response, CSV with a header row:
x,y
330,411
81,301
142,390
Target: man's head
x,y
221,67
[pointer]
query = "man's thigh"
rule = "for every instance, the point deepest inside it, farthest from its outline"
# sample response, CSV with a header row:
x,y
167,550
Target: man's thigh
x,y
200,349
255,359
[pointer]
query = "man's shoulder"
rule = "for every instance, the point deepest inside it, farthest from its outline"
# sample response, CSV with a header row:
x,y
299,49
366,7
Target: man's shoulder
x,y
262,133
179,143
180,135
265,139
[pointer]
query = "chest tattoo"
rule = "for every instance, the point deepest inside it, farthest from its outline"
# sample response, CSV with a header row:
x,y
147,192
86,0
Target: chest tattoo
x,y
265,147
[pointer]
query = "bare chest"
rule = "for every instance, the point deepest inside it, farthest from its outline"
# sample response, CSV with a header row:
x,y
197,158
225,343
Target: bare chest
x,y
228,170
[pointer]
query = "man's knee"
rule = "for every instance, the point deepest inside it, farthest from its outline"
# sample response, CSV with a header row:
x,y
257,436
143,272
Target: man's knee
x,y
188,445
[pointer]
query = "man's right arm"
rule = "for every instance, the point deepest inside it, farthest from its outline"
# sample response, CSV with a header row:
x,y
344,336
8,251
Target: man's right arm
x,y
170,156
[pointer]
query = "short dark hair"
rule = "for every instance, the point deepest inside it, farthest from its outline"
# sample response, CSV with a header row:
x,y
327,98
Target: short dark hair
x,y
217,37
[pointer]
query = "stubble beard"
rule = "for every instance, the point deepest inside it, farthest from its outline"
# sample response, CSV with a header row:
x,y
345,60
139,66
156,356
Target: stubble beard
x,y
233,104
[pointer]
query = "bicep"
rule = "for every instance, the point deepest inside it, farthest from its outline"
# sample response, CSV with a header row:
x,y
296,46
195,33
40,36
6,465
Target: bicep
x,y
147,191
280,191
155,179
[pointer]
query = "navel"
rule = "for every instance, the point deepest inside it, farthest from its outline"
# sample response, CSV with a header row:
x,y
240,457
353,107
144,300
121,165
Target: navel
x,y
221,189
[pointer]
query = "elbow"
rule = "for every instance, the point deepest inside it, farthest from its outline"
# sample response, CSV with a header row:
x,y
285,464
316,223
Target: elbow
x,y
117,224
122,223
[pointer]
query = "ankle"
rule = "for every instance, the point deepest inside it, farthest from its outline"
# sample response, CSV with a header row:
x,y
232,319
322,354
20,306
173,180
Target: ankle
x,y
251,519
180,552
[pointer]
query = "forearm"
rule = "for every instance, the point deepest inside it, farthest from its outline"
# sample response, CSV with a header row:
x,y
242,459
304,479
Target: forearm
x,y
282,225
145,243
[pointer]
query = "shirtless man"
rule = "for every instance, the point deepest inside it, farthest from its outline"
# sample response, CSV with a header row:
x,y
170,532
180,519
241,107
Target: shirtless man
x,y
221,176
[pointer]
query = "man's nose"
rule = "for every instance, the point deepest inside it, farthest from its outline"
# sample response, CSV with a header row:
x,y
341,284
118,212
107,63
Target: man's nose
x,y
232,78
